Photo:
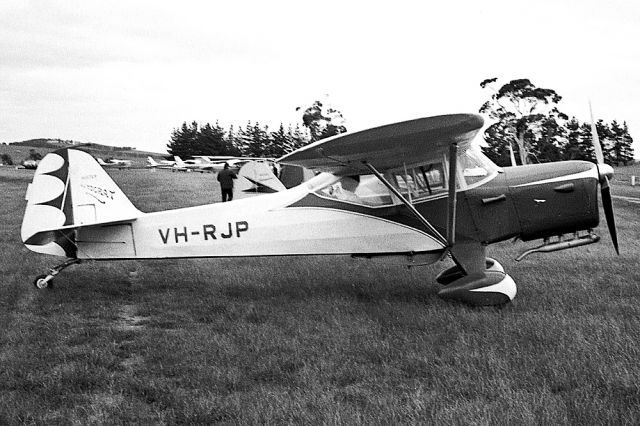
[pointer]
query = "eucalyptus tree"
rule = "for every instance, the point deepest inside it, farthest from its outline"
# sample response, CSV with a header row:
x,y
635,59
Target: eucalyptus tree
x,y
322,121
527,115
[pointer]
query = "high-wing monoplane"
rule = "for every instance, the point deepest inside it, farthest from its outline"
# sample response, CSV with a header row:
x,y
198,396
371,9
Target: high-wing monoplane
x,y
414,192
163,164
195,165
115,163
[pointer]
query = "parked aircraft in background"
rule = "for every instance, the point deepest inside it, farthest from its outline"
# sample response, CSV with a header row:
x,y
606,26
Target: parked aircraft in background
x,y
195,165
163,164
114,162
29,164
214,163
233,162
414,193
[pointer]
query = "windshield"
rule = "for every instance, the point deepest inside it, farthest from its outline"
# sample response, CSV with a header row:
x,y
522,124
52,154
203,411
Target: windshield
x,y
476,168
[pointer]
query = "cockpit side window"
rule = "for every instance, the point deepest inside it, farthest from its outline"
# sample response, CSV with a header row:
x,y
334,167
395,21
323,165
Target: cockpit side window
x,y
365,190
420,181
415,182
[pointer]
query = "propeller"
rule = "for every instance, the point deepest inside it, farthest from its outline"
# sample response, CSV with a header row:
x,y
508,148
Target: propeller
x,y
605,171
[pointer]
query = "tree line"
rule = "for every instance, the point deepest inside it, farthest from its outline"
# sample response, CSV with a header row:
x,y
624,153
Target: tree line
x,y
254,140
528,127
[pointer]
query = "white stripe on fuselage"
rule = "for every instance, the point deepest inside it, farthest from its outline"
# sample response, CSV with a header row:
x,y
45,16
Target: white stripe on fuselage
x,y
591,173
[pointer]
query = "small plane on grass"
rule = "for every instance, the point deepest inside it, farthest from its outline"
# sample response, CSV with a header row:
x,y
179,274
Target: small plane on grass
x,y
29,164
213,163
196,165
115,163
163,164
414,192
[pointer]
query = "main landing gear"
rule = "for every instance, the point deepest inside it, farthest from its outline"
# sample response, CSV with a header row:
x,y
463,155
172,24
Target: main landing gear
x,y
46,280
481,288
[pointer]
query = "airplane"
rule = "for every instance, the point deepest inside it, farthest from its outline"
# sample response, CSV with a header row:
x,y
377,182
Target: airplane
x,y
115,163
29,164
163,164
196,165
234,163
414,193
231,159
257,177
212,164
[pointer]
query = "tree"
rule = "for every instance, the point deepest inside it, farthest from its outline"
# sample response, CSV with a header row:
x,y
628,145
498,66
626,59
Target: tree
x,y
578,145
606,140
234,141
525,112
193,139
498,148
34,155
621,149
253,139
551,143
183,140
6,159
322,122
211,140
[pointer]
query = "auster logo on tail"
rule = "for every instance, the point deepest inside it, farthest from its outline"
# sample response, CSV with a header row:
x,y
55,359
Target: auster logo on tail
x,y
100,194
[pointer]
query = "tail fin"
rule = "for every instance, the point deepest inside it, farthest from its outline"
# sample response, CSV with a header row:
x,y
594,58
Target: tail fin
x,y
179,161
258,177
70,190
151,161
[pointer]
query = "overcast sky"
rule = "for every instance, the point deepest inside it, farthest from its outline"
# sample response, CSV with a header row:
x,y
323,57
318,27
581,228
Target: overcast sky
x,y
126,73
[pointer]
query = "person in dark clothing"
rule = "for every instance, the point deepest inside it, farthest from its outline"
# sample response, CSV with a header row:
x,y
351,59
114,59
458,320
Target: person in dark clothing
x,y
226,177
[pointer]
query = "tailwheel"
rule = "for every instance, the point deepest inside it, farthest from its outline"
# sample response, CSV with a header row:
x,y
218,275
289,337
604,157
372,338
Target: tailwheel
x,y
43,281
46,280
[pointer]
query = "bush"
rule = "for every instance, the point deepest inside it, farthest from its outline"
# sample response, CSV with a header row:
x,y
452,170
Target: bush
x,y
6,159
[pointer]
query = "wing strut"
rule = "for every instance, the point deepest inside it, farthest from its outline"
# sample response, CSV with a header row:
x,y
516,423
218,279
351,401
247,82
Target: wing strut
x,y
451,211
438,236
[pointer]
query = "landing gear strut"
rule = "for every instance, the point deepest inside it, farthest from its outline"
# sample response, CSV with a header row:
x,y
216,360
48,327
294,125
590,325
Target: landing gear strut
x,y
46,280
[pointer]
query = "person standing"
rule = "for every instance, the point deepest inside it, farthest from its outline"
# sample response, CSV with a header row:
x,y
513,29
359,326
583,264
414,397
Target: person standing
x,y
226,177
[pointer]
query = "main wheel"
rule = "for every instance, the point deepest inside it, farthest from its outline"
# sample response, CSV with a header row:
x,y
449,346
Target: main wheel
x,y
40,282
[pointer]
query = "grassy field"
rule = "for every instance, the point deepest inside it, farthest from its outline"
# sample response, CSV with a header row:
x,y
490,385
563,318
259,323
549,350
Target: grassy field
x,y
312,339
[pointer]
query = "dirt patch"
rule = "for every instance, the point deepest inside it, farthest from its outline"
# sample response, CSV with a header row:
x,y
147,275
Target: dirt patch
x,y
128,320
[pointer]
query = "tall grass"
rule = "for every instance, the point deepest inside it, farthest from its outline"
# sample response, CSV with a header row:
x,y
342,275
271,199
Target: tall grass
x,y
312,339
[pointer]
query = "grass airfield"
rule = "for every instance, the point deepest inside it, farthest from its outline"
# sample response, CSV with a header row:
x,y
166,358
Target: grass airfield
x,y
313,339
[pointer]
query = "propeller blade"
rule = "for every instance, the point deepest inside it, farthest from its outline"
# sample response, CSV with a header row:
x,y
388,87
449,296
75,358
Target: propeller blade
x,y
605,190
594,138
451,207
604,172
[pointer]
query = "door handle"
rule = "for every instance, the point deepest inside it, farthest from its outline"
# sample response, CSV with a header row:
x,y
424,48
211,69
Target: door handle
x,y
489,200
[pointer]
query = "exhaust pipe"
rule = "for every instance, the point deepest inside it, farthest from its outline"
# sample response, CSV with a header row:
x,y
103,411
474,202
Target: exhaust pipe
x,y
548,247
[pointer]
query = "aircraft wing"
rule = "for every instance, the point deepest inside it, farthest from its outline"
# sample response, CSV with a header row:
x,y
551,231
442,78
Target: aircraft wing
x,y
388,146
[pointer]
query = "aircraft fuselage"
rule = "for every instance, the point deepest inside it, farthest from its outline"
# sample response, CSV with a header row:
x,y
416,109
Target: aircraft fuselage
x,y
529,202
